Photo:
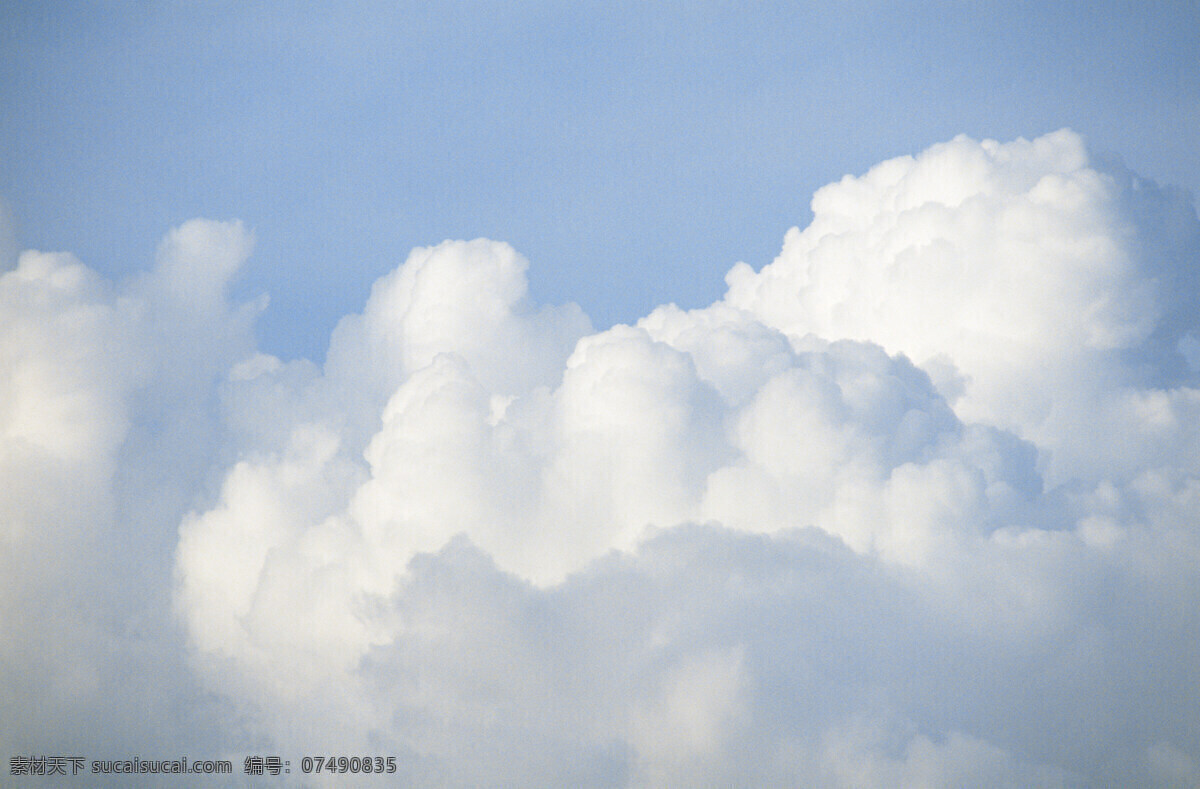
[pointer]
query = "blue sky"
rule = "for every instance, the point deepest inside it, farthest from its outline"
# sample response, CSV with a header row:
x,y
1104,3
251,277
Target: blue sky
x,y
633,152
914,500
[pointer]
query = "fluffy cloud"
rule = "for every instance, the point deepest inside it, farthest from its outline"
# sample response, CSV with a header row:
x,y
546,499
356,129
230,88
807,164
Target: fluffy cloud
x,y
916,504
1035,288
107,424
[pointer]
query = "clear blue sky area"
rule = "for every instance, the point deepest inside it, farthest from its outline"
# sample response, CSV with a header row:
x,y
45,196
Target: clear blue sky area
x,y
632,151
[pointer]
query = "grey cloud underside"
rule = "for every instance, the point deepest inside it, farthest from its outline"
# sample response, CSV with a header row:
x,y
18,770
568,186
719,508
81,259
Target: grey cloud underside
x,y
916,504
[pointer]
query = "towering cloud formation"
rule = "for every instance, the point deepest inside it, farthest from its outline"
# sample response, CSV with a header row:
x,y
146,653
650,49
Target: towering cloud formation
x,y
1044,286
108,424
916,504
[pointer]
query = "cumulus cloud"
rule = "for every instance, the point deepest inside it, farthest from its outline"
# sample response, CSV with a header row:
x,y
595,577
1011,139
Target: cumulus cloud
x,y
1034,287
104,394
913,505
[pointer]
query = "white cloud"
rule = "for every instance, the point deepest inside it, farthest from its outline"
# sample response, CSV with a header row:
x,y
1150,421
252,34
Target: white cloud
x,y
914,505
102,400
1043,280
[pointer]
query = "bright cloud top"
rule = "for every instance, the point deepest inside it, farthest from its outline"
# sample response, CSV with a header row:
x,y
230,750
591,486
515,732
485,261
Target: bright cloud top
x,y
916,504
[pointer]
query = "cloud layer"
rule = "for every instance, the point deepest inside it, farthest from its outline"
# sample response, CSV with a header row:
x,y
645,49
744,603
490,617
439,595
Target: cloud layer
x,y
915,504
